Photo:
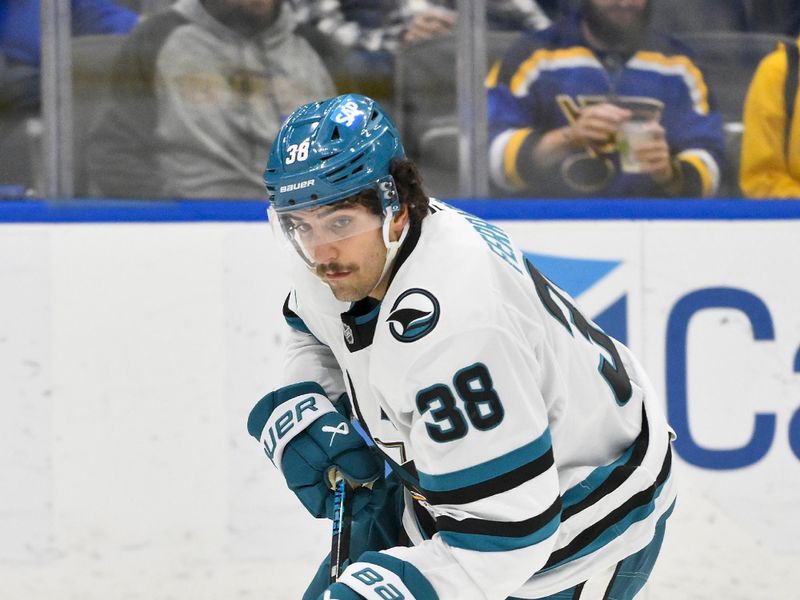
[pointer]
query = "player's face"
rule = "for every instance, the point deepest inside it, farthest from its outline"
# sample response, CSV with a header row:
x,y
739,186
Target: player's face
x,y
344,245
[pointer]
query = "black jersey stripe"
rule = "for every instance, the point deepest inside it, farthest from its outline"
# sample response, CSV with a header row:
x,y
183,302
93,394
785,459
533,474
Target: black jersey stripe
x,y
424,519
500,528
578,591
354,400
618,515
292,319
618,476
496,485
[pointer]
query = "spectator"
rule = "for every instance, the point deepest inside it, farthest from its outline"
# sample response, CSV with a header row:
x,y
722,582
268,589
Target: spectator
x,y
384,24
510,14
356,42
359,38
552,8
20,54
770,165
20,30
199,92
558,98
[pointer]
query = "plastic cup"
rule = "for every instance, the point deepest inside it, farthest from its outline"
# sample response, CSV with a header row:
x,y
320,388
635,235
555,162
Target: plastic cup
x,y
630,136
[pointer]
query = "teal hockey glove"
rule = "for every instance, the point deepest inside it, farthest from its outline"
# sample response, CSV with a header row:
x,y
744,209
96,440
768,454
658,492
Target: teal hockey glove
x,y
380,576
308,440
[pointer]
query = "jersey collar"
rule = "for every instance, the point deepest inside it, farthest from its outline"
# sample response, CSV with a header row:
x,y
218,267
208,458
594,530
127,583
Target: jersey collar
x,y
360,320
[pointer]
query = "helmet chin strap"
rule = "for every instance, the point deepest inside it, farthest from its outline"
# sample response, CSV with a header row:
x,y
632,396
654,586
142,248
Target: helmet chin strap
x,y
391,247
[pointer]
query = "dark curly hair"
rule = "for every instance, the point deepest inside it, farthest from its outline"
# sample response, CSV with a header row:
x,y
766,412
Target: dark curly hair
x,y
409,186
408,180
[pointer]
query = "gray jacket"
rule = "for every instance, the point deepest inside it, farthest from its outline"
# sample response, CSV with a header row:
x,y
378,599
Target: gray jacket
x,y
196,106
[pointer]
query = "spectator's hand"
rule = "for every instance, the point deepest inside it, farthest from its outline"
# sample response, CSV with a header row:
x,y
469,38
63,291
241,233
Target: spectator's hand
x,y
429,23
653,155
597,124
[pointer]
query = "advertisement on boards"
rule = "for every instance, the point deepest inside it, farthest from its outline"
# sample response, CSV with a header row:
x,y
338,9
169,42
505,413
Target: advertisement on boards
x,y
133,352
711,309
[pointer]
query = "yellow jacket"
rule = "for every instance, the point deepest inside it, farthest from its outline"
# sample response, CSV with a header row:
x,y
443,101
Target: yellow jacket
x,y
764,172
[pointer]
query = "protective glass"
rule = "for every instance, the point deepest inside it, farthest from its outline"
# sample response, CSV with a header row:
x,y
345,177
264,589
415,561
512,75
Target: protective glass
x,y
308,230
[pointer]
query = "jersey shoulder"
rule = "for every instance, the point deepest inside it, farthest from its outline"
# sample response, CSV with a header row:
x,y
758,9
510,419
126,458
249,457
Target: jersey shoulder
x,y
460,277
462,256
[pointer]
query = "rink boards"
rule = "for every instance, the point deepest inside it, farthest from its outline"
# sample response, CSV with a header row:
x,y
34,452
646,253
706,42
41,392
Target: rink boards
x,y
135,338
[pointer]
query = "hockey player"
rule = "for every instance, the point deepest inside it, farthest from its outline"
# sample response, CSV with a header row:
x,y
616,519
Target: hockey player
x,y
530,457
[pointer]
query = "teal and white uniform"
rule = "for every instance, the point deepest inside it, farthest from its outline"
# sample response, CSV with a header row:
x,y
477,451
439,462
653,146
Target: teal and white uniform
x,y
532,447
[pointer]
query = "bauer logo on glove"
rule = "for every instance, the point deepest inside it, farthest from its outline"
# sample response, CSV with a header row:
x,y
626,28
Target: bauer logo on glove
x,y
307,439
289,419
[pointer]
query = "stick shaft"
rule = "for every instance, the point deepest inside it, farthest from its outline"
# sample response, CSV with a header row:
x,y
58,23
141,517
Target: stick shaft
x,y
342,520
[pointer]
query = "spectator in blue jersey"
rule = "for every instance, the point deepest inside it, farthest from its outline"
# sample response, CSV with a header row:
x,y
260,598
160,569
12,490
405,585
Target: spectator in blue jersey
x,y
199,92
20,54
567,103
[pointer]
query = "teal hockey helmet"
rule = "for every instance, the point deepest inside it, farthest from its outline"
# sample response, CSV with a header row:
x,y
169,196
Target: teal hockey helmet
x,y
330,150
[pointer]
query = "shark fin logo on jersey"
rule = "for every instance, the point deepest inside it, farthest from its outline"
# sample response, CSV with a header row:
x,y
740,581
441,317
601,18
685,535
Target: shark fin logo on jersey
x,y
414,315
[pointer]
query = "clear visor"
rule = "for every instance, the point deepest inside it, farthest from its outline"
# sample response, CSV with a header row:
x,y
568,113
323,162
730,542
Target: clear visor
x,y
314,232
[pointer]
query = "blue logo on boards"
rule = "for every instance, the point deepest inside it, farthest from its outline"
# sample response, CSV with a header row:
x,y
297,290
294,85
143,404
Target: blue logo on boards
x,y
575,276
414,315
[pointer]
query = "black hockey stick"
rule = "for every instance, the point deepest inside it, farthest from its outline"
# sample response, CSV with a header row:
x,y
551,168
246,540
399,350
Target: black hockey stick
x,y
342,519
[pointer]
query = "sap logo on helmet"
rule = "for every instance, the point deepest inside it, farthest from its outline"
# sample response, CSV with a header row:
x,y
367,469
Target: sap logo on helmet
x,y
289,187
348,113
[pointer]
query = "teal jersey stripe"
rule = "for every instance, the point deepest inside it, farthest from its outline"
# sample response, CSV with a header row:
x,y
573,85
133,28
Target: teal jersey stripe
x,y
595,479
615,530
488,470
369,316
298,324
493,543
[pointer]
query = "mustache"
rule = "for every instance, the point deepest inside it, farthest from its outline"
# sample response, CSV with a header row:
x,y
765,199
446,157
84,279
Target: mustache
x,y
333,267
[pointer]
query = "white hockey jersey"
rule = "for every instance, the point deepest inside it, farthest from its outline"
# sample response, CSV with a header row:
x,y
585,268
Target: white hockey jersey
x,y
532,446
